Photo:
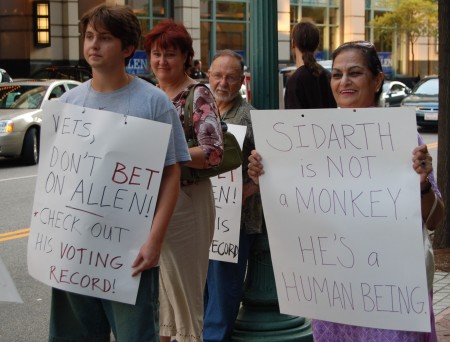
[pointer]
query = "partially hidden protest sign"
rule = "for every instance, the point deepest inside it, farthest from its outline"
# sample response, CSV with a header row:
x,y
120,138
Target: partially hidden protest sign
x,y
96,191
342,207
8,291
227,188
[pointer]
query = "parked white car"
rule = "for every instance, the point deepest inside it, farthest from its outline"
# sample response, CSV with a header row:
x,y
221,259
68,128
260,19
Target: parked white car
x,y
21,115
4,76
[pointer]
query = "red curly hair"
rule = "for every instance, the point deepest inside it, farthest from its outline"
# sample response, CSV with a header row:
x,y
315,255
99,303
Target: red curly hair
x,y
170,34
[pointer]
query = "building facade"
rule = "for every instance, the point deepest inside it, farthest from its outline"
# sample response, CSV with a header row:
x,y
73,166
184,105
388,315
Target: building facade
x,y
213,25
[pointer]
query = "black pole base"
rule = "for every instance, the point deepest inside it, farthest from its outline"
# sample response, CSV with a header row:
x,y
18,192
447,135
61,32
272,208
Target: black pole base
x,y
256,325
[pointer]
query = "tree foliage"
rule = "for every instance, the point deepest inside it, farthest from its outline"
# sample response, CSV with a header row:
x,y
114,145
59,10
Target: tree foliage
x,y
412,18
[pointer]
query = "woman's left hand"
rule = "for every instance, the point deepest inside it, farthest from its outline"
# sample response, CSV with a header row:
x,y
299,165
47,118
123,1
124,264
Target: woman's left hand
x,y
422,163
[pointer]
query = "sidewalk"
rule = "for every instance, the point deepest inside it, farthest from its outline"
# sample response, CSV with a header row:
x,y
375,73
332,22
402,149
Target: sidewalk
x,y
441,305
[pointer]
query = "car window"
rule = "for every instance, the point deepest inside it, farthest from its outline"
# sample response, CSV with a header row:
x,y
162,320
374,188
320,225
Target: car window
x,y
22,97
56,92
84,76
429,87
71,85
8,95
4,77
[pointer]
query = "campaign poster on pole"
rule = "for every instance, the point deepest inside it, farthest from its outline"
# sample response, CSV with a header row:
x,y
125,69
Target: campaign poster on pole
x,y
342,207
96,191
227,188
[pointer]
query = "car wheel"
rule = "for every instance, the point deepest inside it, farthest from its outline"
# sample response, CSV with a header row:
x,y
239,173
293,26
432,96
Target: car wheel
x,y
30,149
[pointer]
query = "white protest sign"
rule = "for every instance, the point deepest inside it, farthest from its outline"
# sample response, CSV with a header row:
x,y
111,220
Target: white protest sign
x,y
96,191
8,291
342,208
227,188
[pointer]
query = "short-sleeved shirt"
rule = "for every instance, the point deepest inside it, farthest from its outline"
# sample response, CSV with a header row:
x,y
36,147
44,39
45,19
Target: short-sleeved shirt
x,y
252,212
139,99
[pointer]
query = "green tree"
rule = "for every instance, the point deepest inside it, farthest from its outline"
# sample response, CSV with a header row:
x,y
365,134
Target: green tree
x,y
412,18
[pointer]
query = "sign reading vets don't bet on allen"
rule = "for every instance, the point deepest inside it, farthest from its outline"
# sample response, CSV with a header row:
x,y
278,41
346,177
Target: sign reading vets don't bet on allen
x,y
96,191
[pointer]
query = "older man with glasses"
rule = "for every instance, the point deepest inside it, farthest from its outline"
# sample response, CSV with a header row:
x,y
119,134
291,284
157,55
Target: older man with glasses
x,y
224,284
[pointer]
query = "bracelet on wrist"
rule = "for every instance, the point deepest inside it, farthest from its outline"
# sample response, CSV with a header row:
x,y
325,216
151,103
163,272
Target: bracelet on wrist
x,y
426,189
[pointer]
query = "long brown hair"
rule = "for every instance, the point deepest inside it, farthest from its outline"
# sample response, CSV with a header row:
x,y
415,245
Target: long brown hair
x,y
305,36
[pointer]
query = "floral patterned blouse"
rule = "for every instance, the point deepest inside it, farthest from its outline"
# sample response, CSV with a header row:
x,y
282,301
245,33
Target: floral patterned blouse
x,y
206,122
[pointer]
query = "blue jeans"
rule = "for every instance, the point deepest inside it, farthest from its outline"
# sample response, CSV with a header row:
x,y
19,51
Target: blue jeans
x,y
223,293
76,317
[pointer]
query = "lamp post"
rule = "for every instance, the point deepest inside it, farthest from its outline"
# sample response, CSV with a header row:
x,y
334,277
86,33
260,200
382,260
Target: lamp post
x,y
259,318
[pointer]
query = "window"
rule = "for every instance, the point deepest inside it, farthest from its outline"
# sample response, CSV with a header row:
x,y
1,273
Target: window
x,y
325,14
150,12
224,25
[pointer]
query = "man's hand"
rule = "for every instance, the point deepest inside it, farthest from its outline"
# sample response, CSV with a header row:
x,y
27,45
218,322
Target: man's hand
x,y
148,257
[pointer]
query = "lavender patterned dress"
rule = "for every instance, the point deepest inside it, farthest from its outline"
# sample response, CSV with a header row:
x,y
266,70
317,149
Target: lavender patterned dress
x,y
324,331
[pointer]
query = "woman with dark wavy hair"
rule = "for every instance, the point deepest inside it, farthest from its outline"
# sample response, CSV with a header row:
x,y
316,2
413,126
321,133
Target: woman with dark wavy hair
x,y
309,86
185,251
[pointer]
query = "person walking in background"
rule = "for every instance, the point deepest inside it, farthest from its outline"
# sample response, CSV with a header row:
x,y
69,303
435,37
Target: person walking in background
x,y
110,36
196,70
185,252
225,281
357,82
309,86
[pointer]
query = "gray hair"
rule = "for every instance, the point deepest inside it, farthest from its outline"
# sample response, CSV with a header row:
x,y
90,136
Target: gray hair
x,y
230,53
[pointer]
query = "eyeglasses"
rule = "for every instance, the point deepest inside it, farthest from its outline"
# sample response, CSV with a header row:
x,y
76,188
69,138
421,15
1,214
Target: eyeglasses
x,y
228,78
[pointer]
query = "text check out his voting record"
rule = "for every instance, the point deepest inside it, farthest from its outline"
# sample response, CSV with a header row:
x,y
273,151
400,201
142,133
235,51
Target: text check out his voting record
x,y
96,192
342,207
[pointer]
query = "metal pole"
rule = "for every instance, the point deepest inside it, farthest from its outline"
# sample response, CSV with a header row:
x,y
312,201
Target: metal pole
x,y
259,319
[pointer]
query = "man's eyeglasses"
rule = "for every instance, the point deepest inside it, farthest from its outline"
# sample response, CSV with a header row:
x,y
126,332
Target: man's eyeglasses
x,y
228,79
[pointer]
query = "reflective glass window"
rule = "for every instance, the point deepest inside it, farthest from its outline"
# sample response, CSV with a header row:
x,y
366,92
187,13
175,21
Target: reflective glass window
x,y
230,10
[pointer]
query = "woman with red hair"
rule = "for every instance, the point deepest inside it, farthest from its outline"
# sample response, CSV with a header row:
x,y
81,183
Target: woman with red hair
x,y
185,251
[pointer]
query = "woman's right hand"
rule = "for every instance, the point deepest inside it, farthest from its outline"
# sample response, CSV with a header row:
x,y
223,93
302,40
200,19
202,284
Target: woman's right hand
x,y
255,167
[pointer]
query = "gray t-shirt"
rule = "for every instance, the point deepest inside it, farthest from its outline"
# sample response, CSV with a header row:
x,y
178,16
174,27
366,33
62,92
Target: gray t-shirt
x,y
140,99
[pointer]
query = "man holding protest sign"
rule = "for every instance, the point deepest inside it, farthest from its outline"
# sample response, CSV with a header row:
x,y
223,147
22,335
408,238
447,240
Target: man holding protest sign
x,y
111,34
224,284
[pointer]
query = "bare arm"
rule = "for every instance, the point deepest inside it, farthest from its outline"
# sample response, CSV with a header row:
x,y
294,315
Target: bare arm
x,y
198,158
150,251
422,164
